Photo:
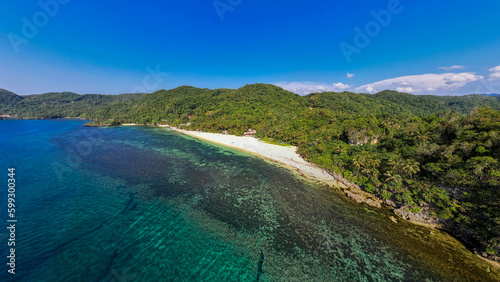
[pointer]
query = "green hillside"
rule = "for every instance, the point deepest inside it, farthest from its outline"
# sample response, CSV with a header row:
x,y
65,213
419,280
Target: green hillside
x,y
53,97
397,103
63,104
8,101
250,100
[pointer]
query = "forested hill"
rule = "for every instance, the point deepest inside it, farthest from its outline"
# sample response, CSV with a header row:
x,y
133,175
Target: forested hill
x,y
61,104
397,103
8,99
148,108
435,153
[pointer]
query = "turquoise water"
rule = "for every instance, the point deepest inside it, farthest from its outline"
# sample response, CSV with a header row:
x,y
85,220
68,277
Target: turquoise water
x,y
149,204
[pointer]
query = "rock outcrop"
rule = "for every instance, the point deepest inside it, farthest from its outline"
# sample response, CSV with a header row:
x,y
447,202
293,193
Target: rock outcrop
x,y
422,218
363,197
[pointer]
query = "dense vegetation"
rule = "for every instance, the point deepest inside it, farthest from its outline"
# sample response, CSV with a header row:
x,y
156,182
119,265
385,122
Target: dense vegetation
x,y
63,104
441,152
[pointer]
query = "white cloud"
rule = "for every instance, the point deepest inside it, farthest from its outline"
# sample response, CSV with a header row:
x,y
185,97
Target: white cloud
x,y
454,67
424,83
307,87
369,89
405,89
340,86
349,75
494,73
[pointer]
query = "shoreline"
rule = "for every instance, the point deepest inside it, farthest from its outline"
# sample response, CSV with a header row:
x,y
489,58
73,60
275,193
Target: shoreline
x,y
284,155
288,157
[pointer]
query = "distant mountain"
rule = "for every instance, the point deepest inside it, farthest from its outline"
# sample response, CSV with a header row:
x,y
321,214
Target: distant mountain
x,y
62,104
9,97
255,98
53,97
491,95
398,103
8,101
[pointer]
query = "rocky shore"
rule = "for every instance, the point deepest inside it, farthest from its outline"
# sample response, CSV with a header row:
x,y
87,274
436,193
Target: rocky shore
x,y
422,218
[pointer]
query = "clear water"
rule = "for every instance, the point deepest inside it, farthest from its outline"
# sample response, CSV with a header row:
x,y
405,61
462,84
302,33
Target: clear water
x,y
149,204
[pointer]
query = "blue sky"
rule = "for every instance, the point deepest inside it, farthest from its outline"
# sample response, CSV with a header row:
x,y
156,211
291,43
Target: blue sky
x,y
111,47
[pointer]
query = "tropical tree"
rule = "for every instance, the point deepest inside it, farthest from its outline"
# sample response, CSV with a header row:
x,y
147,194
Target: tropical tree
x,y
393,178
422,137
479,164
410,167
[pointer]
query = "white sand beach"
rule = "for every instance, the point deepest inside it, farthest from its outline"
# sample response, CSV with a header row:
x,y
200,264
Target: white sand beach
x,y
282,154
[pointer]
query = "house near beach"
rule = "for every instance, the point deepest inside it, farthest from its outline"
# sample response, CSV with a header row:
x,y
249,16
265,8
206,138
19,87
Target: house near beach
x,y
249,132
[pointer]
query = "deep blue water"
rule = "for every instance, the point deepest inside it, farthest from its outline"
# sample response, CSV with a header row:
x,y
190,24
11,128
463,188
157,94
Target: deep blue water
x,y
149,204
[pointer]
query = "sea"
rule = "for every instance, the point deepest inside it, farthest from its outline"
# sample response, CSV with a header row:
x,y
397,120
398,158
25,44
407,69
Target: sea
x,y
139,203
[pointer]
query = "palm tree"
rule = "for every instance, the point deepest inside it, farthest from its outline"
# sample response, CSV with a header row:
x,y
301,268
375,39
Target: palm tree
x,y
321,147
368,172
392,126
385,124
395,178
374,162
411,166
421,137
397,165
357,164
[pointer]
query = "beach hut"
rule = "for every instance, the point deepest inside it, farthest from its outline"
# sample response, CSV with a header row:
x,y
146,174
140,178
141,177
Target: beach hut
x,y
249,132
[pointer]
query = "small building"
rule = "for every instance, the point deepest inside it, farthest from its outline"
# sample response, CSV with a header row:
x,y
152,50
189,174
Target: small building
x,y
250,132
5,116
224,132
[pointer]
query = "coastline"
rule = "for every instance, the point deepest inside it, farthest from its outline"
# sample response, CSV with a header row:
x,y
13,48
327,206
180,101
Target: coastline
x,y
285,155
288,157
